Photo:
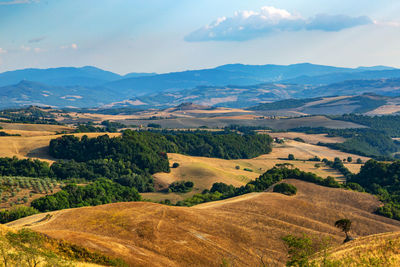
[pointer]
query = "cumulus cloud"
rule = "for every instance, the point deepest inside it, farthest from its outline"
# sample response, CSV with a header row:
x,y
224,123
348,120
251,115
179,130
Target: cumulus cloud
x,y
246,25
17,2
71,46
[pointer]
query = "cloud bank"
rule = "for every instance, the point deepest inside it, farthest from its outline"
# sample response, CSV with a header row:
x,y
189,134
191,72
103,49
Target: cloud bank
x,y
247,25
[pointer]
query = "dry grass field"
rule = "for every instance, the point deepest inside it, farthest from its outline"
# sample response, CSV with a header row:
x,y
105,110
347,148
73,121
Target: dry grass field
x,y
33,144
308,138
375,250
238,230
204,172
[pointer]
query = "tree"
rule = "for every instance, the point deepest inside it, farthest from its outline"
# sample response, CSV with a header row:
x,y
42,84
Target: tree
x,y
349,159
345,226
175,165
359,161
291,157
286,189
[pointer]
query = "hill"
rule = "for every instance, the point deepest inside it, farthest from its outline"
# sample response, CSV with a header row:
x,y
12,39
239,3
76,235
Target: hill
x,y
367,103
65,76
238,230
376,250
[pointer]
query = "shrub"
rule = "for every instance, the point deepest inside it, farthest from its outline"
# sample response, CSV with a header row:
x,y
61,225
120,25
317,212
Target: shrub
x,y
237,167
175,165
286,189
181,187
291,157
248,170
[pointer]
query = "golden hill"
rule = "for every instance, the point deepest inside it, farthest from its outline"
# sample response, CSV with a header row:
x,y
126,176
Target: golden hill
x,y
375,250
239,230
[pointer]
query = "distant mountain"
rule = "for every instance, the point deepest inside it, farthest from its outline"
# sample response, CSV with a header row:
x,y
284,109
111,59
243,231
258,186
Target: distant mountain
x,y
387,87
138,74
67,76
182,80
218,96
276,73
234,85
345,76
366,103
32,93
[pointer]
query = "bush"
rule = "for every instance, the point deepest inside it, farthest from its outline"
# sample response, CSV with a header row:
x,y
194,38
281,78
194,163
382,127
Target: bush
x,y
248,170
286,189
291,157
237,167
298,139
175,165
181,186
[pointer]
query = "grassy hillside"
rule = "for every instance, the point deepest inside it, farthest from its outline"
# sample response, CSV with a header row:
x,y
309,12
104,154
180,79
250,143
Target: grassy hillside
x,y
375,250
25,247
238,230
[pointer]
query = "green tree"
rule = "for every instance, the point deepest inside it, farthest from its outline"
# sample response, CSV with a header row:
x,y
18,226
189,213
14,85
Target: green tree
x,y
345,226
291,157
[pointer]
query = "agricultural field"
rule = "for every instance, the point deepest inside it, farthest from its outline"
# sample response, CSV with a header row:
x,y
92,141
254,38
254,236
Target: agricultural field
x,y
33,143
23,190
238,230
206,171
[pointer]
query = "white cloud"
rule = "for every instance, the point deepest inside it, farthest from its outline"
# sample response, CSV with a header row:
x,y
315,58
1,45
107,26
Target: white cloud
x,y
3,51
26,48
71,46
246,25
17,2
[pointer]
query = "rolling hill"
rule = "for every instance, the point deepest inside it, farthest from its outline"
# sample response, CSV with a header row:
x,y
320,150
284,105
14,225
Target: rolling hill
x,y
238,230
234,85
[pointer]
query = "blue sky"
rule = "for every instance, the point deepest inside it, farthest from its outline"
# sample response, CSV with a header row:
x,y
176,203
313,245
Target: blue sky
x,y
171,35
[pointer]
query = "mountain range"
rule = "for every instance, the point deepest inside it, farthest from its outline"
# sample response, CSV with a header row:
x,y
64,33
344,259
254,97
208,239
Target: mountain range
x,y
234,85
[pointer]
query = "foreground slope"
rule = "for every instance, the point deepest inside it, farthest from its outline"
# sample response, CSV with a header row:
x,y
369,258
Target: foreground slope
x,y
239,230
375,250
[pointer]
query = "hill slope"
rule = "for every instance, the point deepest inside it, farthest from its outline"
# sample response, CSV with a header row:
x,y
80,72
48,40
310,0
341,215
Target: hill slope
x,y
238,230
377,250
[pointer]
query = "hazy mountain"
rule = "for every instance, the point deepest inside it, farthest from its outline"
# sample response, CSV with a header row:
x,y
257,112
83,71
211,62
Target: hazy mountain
x,y
332,105
138,74
220,96
388,87
66,76
33,93
344,76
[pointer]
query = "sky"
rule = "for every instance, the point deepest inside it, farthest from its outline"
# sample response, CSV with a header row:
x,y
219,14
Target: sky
x,y
161,36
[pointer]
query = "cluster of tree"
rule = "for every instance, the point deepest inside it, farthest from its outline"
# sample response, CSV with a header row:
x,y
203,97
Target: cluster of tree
x,y
226,145
16,213
246,129
30,114
108,126
100,192
382,179
389,124
143,151
337,164
362,141
222,191
181,187
286,189
25,167
7,134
